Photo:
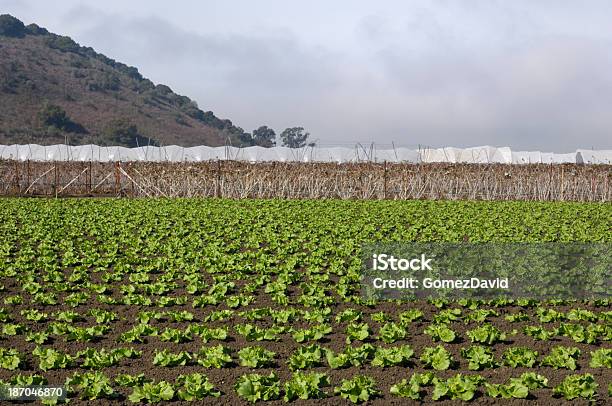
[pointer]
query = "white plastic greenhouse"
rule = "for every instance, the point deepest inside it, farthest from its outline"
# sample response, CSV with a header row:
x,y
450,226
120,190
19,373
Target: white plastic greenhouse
x,y
173,153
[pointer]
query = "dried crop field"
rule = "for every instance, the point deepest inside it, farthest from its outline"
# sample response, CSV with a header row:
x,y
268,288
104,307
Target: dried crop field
x,y
220,301
232,179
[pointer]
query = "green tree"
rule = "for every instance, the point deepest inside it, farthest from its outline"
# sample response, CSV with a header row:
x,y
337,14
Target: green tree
x,y
123,132
35,29
264,137
11,26
295,137
62,43
52,115
238,137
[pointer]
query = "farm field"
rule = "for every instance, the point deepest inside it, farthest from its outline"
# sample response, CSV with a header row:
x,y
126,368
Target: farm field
x,y
223,301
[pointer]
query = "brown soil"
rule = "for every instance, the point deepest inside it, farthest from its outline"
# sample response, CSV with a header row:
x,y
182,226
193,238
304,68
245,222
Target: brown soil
x,y
224,379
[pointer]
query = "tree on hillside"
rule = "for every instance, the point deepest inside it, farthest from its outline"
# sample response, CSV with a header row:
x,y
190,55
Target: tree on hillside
x,y
244,138
52,115
264,137
62,43
295,137
35,29
123,132
11,26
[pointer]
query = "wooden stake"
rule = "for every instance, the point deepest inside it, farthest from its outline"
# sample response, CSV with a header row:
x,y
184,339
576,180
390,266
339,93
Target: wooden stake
x,y
89,178
117,178
385,183
55,185
218,182
28,174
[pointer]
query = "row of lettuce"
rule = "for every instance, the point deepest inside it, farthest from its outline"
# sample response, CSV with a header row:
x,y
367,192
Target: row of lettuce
x,y
254,387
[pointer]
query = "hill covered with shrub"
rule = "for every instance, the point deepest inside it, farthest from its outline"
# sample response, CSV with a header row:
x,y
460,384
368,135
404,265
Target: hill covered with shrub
x,y
53,90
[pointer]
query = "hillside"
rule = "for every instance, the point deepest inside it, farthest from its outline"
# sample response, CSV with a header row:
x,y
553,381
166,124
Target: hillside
x,y
53,90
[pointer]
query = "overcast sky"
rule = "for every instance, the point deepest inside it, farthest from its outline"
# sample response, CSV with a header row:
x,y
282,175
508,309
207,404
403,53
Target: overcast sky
x,y
525,74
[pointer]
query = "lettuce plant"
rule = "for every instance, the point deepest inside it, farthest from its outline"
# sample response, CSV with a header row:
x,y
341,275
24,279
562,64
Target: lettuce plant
x,y
437,358
195,387
520,357
412,389
98,359
28,380
562,357
516,317
306,386
440,332
34,315
165,358
393,356
138,333
447,316
176,336
539,333
380,317
256,333
152,392
355,356
486,334
207,334
10,359
68,316
256,357
39,337
52,359
128,380
579,333
255,387
12,329
601,358
546,315
358,389
305,357
216,356
392,332
314,333
85,334
357,332
479,357
581,314
517,387
576,386
409,316
218,315
91,385
462,387
479,315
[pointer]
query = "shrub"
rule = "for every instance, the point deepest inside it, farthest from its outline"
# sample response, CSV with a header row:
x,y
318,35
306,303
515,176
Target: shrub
x,y
34,29
11,26
62,43
104,81
54,117
125,133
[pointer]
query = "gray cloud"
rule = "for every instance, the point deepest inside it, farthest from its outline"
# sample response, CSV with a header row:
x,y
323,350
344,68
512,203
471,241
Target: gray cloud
x,y
528,75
